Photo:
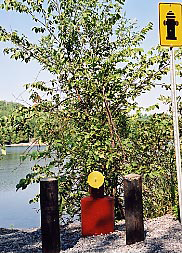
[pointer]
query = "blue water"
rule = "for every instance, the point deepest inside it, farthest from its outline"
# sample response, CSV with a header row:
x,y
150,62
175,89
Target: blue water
x,y
15,211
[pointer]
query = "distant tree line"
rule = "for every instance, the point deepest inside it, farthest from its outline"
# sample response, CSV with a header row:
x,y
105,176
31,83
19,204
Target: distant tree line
x,y
11,133
7,108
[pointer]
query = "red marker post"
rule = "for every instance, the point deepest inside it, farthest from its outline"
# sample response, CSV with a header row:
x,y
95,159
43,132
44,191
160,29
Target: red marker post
x,y
97,210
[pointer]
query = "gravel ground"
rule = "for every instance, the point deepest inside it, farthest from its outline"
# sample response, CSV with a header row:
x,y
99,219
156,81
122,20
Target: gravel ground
x,y
163,234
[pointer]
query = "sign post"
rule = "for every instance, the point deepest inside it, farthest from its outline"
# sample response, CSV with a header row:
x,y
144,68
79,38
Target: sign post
x,y
176,129
170,26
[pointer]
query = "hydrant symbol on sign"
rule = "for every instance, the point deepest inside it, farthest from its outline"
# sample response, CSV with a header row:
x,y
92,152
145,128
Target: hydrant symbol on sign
x,y
171,23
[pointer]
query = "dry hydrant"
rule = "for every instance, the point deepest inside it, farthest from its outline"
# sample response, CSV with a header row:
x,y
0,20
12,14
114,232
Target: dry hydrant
x,y
97,210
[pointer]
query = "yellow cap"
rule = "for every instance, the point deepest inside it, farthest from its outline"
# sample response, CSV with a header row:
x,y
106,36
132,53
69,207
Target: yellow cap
x,y
95,179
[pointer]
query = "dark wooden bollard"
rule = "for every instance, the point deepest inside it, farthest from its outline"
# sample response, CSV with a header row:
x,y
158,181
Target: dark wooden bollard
x,y
133,208
49,215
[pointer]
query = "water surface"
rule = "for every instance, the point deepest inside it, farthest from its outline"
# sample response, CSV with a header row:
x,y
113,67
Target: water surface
x,y
15,211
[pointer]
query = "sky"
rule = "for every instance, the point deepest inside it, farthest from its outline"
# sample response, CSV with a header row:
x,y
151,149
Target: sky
x,y
13,74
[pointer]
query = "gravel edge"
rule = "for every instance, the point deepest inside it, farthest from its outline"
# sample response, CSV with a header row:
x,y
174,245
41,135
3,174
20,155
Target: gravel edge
x,y
162,234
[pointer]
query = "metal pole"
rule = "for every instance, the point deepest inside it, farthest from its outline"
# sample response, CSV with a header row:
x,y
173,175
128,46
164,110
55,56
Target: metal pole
x,y
176,129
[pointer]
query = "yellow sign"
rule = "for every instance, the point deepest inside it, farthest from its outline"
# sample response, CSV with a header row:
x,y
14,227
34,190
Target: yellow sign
x,y
170,24
95,179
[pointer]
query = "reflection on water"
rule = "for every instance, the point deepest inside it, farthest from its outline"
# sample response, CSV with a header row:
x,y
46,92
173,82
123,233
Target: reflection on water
x,y
15,210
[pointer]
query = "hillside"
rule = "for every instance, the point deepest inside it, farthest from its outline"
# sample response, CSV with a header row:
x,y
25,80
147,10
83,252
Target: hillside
x,y
6,108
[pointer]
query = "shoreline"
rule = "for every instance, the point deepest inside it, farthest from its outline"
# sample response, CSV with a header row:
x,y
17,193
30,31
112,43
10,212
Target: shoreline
x,y
25,144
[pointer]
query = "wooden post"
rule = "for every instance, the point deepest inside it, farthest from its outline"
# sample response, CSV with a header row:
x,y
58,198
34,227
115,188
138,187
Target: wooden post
x,y
133,208
49,215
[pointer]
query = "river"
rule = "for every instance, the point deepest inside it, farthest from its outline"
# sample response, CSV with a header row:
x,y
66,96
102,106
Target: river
x,y
15,211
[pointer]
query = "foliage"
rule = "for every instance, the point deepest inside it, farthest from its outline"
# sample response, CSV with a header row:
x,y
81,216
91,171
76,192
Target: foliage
x,y
99,70
9,134
7,108
150,150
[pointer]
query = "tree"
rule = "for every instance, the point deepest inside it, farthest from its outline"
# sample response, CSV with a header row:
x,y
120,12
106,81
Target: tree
x,y
150,153
99,70
7,108
10,134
